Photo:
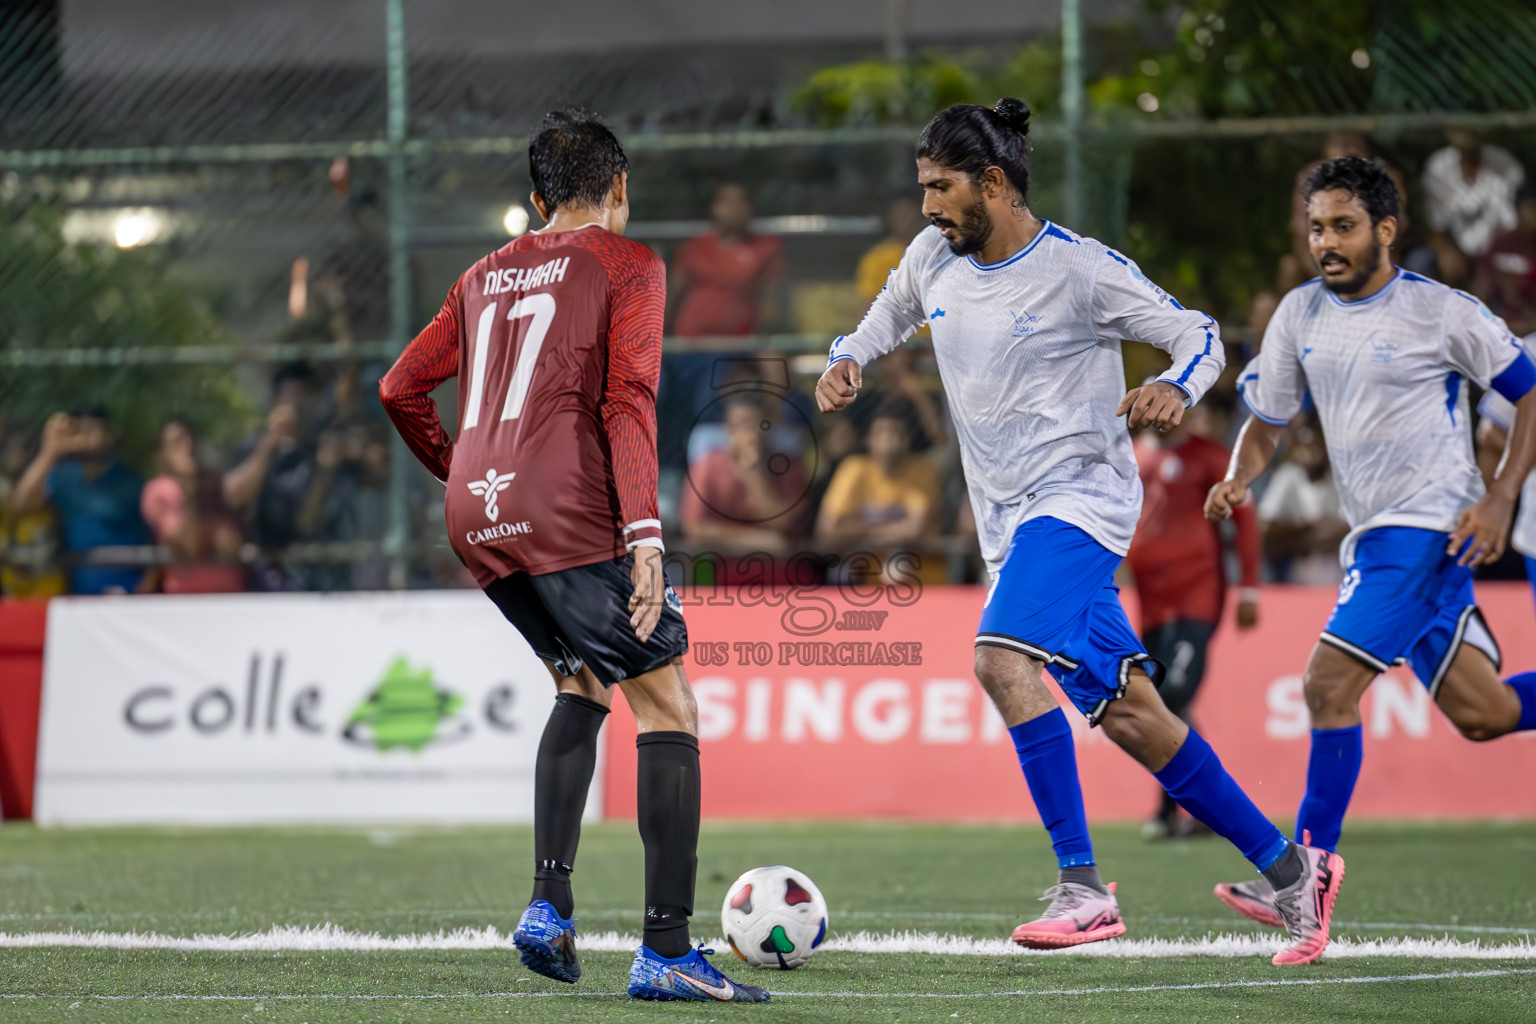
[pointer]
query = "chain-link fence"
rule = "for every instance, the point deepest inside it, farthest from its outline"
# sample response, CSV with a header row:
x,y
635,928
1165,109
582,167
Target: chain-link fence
x,y
239,235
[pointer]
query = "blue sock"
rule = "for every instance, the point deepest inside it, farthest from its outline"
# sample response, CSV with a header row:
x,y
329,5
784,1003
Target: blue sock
x,y
1332,769
1524,686
1049,761
1196,779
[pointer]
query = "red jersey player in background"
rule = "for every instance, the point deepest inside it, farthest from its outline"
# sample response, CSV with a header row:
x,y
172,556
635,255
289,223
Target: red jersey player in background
x,y
1179,565
551,502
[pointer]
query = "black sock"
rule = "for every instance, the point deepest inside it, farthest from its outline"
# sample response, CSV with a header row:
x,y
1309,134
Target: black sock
x,y
1283,873
1086,874
561,777
668,808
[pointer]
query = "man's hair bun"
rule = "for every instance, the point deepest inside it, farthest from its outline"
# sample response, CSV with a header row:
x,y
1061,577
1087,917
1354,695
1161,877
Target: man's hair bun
x,y
1013,113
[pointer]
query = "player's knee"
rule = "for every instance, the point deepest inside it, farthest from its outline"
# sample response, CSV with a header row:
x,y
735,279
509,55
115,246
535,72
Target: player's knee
x,y
1128,726
1327,693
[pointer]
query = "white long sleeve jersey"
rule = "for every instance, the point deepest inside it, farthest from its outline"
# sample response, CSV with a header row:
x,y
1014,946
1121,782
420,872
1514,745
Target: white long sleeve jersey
x,y
1029,353
1388,375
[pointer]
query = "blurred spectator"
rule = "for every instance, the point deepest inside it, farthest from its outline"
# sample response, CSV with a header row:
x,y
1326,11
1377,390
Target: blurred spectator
x,y
346,501
745,493
1179,564
1469,199
29,544
274,472
1507,272
896,376
889,498
839,438
726,282
903,220
1299,514
95,495
1296,267
185,508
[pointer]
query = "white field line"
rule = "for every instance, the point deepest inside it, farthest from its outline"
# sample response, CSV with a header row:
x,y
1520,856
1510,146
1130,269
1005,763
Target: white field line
x,y
601,913
570,994
332,937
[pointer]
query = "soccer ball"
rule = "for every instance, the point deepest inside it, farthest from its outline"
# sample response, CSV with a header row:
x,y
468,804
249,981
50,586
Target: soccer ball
x,y
774,917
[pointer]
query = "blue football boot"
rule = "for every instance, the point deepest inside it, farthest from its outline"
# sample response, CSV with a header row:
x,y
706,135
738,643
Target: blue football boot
x,y
547,942
690,976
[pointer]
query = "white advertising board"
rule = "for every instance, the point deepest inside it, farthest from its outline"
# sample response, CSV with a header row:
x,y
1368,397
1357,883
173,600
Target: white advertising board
x,y
274,708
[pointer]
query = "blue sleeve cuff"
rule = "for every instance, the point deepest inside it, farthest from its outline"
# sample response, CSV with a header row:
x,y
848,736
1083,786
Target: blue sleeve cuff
x,y
1258,415
1486,410
1516,379
840,358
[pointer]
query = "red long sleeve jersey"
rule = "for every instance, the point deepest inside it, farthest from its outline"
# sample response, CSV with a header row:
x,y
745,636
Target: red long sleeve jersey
x,y
1176,556
556,342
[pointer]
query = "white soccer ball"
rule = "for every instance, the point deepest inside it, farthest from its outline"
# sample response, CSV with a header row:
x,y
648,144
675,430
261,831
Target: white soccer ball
x,y
774,917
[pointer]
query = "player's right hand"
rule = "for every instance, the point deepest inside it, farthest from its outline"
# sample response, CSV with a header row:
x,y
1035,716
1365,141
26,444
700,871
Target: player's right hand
x,y
1224,497
839,386
650,590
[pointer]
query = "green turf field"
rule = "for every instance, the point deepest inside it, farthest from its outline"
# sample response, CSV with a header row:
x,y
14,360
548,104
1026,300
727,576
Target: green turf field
x,y
1465,882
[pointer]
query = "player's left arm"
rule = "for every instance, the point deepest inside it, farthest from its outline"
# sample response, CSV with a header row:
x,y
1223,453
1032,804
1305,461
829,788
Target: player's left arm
x,y
1128,305
1481,347
406,390
636,312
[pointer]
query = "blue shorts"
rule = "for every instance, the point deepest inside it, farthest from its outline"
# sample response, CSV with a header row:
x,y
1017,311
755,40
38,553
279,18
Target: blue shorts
x,y
1405,600
1055,600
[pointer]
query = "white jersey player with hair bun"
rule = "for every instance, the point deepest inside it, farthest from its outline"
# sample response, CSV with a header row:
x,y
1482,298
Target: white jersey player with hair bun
x,y
1029,352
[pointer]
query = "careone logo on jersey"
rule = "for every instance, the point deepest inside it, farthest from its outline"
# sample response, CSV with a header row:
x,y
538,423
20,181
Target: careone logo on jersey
x,y
493,484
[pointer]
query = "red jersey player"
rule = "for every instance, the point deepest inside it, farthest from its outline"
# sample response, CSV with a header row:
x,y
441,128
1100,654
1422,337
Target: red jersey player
x,y
551,502
1178,562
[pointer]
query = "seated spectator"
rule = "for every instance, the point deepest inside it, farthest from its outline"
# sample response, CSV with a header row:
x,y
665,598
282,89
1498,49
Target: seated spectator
x,y
95,495
185,508
29,544
745,495
903,220
888,499
1507,272
1469,199
726,282
1299,515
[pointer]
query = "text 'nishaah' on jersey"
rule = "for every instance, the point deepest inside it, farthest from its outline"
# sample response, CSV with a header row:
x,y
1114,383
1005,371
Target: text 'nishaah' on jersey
x,y
556,342
1388,374
1029,352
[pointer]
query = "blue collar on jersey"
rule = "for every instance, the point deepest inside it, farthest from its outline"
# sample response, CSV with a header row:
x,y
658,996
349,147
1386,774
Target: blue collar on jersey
x,y
1046,228
1397,275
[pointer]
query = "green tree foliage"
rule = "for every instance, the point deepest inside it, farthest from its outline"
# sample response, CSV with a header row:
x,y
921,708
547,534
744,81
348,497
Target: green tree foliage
x,y
56,295
882,92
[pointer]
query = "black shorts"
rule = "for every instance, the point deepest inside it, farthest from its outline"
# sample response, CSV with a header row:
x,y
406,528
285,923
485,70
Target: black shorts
x,y
1180,645
581,616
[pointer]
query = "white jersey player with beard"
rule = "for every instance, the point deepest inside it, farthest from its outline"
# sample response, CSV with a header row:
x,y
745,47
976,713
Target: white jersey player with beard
x,y
1029,353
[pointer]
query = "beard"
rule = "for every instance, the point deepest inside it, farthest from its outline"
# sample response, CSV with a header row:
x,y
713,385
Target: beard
x,y
974,229
1355,281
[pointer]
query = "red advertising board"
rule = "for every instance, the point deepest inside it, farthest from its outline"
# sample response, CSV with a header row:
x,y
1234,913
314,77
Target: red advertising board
x,y
833,703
